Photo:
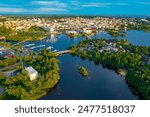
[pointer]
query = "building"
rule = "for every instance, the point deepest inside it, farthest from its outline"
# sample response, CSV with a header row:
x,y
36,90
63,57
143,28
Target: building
x,y
33,74
71,32
51,29
88,31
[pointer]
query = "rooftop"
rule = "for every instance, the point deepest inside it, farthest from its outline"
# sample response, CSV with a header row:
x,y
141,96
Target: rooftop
x,y
31,70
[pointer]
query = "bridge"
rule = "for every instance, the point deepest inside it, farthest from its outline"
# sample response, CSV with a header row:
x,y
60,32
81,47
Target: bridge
x,y
62,52
87,36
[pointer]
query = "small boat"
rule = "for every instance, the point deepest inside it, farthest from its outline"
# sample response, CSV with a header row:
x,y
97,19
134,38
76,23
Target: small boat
x,y
40,46
50,47
55,50
29,45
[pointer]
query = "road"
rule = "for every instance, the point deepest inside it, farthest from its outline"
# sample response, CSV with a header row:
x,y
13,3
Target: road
x,y
9,66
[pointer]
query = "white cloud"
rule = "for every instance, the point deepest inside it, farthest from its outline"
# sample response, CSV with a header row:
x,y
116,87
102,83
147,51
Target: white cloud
x,y
100,4
50,3
11,10
95,5
51,10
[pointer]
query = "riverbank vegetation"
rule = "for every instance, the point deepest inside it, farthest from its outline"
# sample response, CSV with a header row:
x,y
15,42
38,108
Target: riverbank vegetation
x,y
71,35
33,33
127,57
83,71
116,33
5,44
20,87
144,27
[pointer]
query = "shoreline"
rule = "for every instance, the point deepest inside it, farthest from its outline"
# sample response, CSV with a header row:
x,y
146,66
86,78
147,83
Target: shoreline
x,y
119,67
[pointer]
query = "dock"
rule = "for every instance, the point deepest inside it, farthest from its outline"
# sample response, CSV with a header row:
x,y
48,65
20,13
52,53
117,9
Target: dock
x,y
21,42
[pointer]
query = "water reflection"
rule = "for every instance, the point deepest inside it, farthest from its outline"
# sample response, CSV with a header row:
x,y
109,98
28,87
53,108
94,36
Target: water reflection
x,y
102,83
53,38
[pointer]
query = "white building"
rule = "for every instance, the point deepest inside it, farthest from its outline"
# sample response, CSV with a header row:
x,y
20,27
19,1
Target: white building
x,y
51,29
88,31
71,32
33,74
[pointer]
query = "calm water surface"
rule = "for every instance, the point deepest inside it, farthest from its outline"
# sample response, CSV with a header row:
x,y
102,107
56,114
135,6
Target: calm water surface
x,y
135,37
102,83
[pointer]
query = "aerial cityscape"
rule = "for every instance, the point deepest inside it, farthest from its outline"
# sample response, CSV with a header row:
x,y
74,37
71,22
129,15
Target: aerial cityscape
x,y
62,52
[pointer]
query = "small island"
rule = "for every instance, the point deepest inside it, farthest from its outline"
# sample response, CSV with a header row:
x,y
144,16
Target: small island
x,y
126,59
83,71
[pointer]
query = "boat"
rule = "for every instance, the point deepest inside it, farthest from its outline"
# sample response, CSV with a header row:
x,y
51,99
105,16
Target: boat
x,y
50,47
40,46
55,50
29,45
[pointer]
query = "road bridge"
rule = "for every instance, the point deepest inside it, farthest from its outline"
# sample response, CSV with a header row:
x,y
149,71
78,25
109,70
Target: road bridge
x,y
63,52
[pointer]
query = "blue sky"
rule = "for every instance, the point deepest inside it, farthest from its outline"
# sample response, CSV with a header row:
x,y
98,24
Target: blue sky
x,y
95,7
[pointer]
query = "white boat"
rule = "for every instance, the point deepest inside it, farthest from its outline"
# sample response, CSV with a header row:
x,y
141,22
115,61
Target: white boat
x,y
40,46
50,47
31,48
55,50
29,45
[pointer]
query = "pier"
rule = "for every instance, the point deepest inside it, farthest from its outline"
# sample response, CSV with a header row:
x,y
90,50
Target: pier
x,y
21,42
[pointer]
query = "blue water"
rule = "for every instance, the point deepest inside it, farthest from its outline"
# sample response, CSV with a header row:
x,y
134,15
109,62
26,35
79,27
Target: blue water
x,y
62,42
139,38
135,37
102,83
58,42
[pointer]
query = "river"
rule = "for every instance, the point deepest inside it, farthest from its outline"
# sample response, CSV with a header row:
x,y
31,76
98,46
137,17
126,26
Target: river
x,y
102,83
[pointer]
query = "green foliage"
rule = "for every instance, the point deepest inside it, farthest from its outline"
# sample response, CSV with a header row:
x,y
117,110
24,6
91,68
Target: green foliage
x,y
34,33
22,35
83,54
3,19
5,31
83,71
71,35
36,29
20,87
9,61
138,72
141,26
2,77
73,48
113,33
6,44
